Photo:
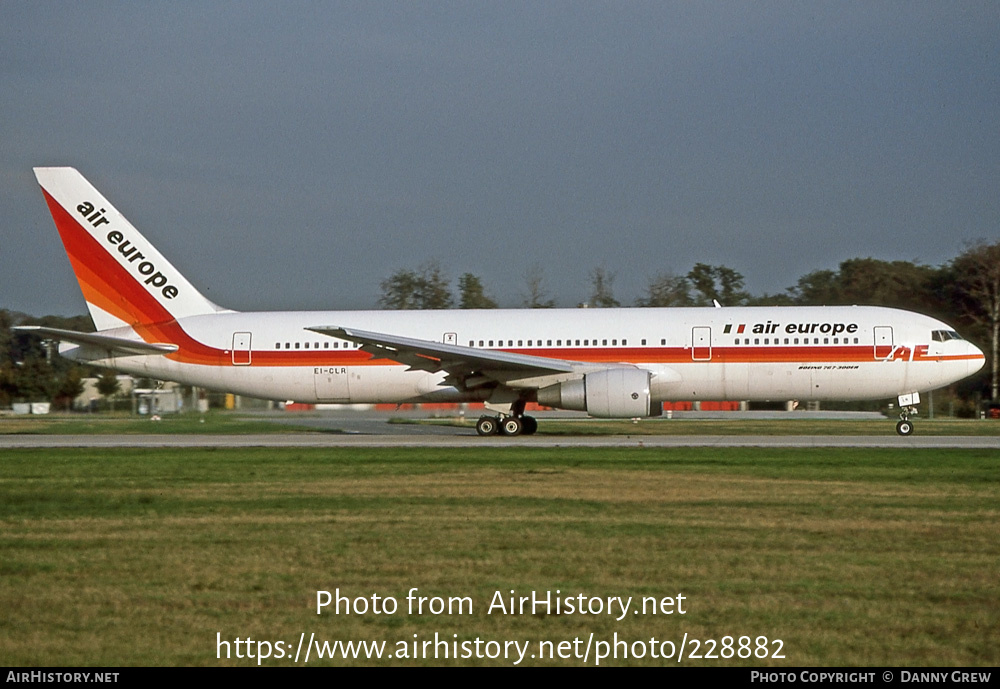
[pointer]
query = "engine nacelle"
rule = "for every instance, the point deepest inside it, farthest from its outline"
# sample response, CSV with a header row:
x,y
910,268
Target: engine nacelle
x,y
618,393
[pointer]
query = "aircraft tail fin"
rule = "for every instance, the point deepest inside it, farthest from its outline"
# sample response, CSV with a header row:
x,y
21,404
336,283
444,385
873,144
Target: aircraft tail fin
x,y
124,279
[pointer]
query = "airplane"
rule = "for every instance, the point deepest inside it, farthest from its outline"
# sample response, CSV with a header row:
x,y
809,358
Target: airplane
x,y
611,363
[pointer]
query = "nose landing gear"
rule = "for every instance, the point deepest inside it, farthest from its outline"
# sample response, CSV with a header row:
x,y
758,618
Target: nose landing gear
x,y
904,427
906,408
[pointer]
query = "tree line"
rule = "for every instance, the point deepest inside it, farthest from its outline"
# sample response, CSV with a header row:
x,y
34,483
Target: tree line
x,y
31,369
964,292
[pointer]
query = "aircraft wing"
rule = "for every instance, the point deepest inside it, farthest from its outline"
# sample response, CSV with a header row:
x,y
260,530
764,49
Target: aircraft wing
x,y
117,345
460,362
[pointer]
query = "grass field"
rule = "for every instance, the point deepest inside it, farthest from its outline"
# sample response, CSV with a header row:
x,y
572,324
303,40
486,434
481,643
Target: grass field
x,y
878,557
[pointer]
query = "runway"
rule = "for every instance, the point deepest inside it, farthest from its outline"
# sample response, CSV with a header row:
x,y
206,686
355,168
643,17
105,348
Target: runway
x,y
461,438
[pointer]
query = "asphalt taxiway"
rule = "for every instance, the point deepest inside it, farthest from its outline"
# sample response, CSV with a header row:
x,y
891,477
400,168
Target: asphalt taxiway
x,y
459,438
365,428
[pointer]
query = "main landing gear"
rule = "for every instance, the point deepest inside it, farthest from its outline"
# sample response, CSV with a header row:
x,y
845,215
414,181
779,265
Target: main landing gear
x,y
506,425
510,420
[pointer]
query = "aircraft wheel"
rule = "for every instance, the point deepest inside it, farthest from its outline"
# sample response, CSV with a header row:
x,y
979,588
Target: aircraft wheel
x,y
530,425
904,428
487,425
511,426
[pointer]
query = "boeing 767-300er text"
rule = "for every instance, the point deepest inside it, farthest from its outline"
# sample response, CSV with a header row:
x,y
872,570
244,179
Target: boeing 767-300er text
x,y
615,363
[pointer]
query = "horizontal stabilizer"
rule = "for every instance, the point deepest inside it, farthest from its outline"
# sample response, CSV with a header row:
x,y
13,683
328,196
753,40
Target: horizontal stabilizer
x,y
118,345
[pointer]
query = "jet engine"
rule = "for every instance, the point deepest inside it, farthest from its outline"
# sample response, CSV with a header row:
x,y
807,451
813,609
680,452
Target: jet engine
x,y
621,393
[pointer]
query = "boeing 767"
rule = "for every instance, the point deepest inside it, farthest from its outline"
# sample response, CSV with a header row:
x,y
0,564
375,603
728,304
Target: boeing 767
x,y
614,363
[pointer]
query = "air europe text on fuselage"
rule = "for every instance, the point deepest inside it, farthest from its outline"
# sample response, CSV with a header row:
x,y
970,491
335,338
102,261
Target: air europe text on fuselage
x,y
794,328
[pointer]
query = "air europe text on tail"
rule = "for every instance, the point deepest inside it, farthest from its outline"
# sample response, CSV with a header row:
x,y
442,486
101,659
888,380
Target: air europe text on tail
x,y
124,279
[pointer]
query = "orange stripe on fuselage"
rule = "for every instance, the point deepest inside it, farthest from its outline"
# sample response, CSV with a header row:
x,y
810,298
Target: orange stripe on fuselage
x,y
853,354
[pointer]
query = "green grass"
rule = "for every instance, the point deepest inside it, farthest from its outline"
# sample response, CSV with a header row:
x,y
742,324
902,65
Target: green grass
x,y
876,557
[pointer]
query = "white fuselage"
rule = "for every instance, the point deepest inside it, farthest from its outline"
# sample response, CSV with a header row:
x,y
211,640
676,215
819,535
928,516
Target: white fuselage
x,y
734,353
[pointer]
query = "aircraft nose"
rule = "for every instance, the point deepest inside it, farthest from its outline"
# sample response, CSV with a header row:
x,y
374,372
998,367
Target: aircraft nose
x,y
977,359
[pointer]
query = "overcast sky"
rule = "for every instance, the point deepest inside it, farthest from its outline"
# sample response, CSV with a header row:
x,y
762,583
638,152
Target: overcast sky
x,y
293,155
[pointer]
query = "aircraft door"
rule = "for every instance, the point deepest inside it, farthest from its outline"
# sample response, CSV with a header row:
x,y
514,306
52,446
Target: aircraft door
x,y
701,343
883,342
332,383
241,349
450,338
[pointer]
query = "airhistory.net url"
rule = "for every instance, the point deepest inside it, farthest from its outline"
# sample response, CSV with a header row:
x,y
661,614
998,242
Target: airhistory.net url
x,y
440,647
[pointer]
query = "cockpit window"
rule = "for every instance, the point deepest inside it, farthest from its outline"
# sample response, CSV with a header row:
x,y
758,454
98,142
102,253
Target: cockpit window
x,y
945,335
